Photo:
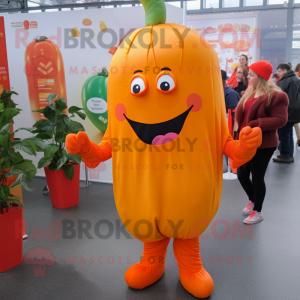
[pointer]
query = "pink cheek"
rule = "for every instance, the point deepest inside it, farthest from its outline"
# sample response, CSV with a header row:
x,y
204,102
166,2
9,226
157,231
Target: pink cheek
x,y
120,112
195,100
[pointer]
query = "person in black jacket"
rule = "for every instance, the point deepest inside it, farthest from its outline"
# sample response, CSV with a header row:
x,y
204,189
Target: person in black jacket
x,y
231,96
290,84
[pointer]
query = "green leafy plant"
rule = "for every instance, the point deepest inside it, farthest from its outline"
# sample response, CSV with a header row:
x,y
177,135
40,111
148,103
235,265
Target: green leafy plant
x,y
54,130
14,169
5,100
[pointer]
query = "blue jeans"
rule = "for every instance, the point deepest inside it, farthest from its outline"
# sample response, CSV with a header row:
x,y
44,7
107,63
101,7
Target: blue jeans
x,y
286,140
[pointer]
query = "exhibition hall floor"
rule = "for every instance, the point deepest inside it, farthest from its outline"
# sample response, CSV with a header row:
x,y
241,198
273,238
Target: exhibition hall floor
x,y
262,263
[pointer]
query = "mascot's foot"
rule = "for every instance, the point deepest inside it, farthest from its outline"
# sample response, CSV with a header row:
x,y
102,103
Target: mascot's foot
x,y
199,284
193,276
139,276
151,267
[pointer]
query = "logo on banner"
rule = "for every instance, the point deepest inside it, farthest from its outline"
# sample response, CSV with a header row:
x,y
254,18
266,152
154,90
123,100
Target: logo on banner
x,y
25,24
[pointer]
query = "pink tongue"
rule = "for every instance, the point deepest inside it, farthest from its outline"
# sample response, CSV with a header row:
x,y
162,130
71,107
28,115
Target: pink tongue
x,y
163,139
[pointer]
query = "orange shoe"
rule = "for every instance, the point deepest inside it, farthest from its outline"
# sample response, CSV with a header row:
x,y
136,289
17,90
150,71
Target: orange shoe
x,y
194,278
199,284
152,265
139,276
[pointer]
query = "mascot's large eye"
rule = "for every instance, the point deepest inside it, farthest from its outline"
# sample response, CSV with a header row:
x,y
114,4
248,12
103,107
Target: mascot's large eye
x,y
166,82
139,85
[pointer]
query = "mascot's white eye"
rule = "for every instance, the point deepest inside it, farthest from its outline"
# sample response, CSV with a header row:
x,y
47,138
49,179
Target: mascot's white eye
x,y
165,83
137,86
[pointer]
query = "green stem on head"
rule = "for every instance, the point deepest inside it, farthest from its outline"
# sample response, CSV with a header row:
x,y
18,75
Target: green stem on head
x,y
41,39
155,12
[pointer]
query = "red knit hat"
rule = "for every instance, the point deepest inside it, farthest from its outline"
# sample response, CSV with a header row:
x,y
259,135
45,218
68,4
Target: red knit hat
x,y
263,69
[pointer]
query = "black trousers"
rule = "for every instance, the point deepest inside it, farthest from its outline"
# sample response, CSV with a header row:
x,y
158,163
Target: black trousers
x,y
257,166
286,140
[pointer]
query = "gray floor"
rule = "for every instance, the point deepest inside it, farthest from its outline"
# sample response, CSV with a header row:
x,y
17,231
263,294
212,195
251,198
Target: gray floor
x,y
273,271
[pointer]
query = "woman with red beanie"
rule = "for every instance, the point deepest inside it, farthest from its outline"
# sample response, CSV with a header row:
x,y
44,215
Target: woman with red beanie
x,y
263,105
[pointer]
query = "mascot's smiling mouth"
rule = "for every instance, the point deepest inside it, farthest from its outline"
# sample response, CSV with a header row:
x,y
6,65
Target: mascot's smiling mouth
x,y
159,133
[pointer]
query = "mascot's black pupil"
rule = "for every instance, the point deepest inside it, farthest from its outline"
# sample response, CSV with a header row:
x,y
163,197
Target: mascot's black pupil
x,y
136,89
164,86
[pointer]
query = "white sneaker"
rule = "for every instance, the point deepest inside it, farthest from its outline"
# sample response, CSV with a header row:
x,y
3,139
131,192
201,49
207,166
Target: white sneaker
x,y
247,210
254,217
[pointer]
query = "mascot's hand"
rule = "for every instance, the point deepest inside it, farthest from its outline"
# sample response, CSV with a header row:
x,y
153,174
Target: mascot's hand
x,y
250,138
78,143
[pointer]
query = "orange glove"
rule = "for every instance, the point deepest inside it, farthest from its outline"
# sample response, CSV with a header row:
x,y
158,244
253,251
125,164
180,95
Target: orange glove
x,y
244,149
91,153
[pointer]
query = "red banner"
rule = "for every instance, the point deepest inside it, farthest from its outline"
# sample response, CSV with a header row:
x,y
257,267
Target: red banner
x,y
5,85
4,76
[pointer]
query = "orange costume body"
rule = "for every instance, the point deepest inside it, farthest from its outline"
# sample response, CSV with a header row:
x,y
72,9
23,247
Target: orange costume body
x,y
167,133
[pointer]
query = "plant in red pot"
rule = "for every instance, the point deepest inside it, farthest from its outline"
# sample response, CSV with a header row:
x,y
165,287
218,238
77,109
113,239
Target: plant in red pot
x,y
14,171
62,169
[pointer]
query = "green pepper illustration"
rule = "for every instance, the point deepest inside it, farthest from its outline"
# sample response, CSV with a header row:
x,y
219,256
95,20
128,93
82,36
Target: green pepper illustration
x,y
94,99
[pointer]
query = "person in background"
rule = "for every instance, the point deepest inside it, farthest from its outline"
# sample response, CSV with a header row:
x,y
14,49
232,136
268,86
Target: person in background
x,y
296,125
297,70
231,96
242,79
297,129
275,75
243,62
290,84
263,105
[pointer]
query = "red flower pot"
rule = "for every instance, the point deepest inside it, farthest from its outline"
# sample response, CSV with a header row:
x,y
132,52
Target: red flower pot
x,y
11,238
64,193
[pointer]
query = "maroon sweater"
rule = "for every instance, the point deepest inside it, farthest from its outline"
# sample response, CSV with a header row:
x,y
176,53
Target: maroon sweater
x,y
268,117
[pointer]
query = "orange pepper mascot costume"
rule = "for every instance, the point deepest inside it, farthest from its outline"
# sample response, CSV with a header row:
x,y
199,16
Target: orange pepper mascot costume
x,y
167,133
